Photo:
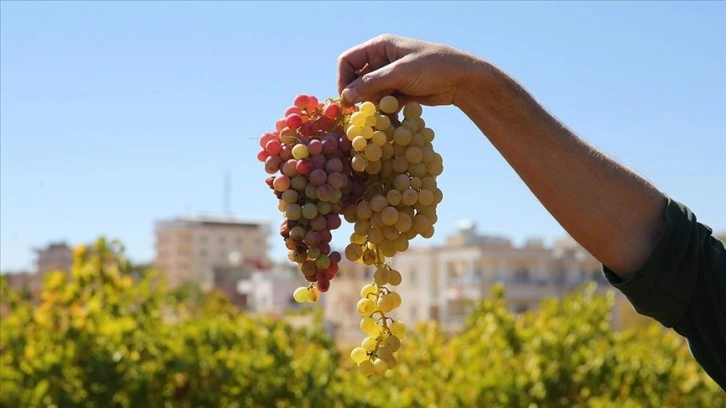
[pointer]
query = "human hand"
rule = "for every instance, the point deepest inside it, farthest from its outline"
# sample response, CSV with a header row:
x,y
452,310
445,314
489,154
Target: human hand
x,y
412,70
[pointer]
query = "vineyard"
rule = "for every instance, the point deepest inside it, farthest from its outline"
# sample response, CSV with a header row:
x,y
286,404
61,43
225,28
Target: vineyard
x,y
100,338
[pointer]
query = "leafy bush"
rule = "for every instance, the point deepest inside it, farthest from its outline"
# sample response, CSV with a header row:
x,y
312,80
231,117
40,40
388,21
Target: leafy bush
x,y
99,338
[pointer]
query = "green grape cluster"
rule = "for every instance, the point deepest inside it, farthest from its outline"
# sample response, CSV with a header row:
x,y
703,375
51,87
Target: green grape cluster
x,y
398,203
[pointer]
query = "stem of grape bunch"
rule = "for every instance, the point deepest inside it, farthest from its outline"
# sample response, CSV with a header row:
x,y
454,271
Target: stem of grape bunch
x,y
326,160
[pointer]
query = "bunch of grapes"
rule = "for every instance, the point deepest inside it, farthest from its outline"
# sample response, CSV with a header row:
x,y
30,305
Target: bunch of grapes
x,y
378,172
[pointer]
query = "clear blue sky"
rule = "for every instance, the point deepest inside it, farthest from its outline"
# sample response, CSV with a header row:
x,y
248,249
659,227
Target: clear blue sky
x,y
116,114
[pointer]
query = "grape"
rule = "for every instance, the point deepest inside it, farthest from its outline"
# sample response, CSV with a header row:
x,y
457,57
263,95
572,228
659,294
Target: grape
x,y
358,354
366,368
301,295
398,329
388,104
326,163
369,326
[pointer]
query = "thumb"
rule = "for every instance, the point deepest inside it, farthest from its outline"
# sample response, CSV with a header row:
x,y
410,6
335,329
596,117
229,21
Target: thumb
x,y
383,81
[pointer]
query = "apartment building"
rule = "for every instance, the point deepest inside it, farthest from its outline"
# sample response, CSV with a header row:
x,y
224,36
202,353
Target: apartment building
x,y
440,281
190,249
56,256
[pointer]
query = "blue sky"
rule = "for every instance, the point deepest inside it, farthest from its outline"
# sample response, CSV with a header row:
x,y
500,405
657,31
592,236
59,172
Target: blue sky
x,y
115,114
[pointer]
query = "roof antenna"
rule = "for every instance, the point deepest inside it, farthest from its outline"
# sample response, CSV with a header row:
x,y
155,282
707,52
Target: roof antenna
x,y
226,196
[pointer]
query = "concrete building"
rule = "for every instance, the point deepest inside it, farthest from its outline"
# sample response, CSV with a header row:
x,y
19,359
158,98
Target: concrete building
x,y
270,291
57,256
189,249
439,282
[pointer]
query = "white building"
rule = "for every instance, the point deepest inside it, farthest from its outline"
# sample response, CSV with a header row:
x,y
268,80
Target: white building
x,y
440,281
189,249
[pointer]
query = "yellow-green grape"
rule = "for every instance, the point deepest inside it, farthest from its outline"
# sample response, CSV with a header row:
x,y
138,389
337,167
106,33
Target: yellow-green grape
x,y
358,355
300,151
390,360
369,326
388,104
395,297
379,138
428,134
367,108
358,163
353,131
383,122
380,276
372,152
398,329
412,110
393,196
301,295
394,277
380,366
369,343
368,290
359,143
389,215
385,304
366,368
365,306
358,119
402,136
392,342
369,256
370,121
357,239
353,252
384,352
313,294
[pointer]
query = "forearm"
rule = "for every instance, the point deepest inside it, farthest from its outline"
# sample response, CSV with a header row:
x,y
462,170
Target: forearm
x,y
615,214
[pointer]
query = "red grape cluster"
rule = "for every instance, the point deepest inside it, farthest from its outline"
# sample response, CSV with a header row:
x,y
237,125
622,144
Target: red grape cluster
x,y
308,158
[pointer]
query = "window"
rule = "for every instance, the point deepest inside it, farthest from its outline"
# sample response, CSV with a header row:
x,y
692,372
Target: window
x,y
521,275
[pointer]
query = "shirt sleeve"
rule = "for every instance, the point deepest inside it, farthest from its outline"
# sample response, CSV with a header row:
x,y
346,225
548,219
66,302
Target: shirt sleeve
x,y
683,286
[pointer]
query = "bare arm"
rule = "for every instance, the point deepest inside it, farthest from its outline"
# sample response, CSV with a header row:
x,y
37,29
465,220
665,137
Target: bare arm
x,y
611,211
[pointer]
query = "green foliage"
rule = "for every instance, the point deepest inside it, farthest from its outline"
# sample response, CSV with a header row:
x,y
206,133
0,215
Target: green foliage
x,y
99,338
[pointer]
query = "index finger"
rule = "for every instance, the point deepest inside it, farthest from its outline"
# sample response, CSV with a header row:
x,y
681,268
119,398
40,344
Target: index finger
x,y
369,55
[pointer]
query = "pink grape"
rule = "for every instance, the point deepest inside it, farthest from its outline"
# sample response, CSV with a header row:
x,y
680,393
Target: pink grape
x,y
333,221
262,155
304,166
333,165
293,109
319,161
281,183
272,164
301,101
293,121
273,146
318,176
289,168
315,147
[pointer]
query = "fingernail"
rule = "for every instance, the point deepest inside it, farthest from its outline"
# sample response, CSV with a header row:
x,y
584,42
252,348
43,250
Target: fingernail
x,y
349,95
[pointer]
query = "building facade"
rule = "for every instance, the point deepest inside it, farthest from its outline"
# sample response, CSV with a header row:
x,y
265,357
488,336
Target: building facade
x,y
439,282
188,250
57,256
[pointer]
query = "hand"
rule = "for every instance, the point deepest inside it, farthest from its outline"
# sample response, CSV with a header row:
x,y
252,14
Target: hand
x,y
413,70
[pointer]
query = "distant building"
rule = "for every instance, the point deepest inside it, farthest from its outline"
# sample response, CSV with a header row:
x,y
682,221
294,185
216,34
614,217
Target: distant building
x,y
439,282
270,291
57,256
27,283
189,249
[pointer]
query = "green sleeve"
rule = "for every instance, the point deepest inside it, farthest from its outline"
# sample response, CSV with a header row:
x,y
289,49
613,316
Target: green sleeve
x,y
683,286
